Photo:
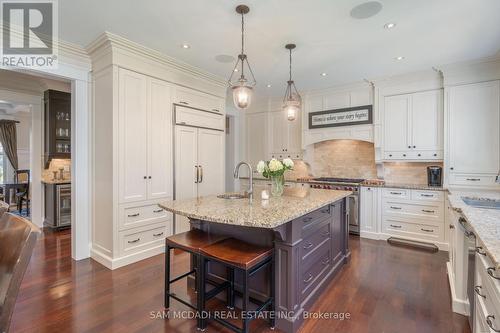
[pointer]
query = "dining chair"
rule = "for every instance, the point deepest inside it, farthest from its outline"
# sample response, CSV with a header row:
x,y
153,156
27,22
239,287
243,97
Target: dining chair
x,y
17,240
22,195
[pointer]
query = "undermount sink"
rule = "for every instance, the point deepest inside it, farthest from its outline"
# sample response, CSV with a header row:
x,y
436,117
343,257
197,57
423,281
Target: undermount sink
x,y
233,196
482,203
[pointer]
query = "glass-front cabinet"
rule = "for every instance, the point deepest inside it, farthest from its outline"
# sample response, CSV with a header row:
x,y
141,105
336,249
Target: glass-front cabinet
x,y
57,119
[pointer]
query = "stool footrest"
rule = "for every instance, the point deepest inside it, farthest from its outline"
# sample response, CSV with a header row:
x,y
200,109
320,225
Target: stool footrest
x,y
182,276
182,301
221,287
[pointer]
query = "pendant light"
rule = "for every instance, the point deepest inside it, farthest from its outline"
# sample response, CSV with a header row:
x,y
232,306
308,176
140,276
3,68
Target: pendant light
x,y
292,101
242,88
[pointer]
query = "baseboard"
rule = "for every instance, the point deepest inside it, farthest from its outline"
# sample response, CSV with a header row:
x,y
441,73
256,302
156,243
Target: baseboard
x,y
369,235
457,305
126,260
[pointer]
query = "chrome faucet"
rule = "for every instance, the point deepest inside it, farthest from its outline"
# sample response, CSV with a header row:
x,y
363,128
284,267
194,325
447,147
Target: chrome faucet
x,y
236,175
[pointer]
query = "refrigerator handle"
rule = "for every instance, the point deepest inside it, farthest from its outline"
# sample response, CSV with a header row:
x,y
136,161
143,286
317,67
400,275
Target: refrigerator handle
x,y
197,175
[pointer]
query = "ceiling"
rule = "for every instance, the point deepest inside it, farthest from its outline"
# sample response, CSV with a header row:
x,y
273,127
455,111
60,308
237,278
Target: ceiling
x,y
427,33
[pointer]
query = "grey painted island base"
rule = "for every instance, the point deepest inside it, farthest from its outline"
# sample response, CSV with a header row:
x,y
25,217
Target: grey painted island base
x,y
310,250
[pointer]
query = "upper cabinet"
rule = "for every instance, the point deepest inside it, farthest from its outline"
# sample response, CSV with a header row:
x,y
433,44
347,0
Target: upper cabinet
x,y
473,120
57,122
198,100
145,136
284,136
413,126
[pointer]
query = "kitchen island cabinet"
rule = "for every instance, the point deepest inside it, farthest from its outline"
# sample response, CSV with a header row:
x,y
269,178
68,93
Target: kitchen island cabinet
x,y
308,228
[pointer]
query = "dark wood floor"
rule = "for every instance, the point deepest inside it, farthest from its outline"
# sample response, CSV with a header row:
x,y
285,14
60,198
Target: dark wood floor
x,y
383,288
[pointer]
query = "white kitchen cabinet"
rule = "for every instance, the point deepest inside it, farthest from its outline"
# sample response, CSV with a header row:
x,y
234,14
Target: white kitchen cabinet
x,y
199,165
413,126
145,114
285,135
369,211
198,100
256,137
486,295
474,133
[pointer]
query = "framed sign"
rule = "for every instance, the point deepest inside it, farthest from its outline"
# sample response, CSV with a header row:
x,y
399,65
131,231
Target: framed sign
x,y
358,115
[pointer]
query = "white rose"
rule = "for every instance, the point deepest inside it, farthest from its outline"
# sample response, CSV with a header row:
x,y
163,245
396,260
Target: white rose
x,y
288,162
275,165
261,166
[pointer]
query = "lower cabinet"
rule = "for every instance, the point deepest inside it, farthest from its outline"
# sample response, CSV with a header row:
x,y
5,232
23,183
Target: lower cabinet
x,y
487,296
403,213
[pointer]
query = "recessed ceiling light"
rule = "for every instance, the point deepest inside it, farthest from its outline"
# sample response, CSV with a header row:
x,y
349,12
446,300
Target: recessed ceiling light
x,y
389,25
269,86
323,74
186,46
366,10
400,58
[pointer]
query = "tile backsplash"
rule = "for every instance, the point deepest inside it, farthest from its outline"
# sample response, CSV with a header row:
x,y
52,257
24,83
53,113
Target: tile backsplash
x,y
344,158
55,165
407,172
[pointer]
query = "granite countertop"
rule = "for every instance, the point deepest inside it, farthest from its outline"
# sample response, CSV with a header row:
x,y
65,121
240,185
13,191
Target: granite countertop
x,y
406,186
484,222
260,214
56,181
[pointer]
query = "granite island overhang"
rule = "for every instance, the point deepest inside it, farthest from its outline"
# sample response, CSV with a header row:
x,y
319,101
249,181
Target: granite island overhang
x,y
309,231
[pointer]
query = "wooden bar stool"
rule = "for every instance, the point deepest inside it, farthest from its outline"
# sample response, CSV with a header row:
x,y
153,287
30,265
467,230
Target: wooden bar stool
x,y
249,259
191,241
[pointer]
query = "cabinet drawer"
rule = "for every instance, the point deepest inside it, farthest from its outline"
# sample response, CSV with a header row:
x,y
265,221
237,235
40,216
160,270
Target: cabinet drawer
x,y
140,239
315,241
199,100
395,193
471,179
312,276
412,211
414,155
413,230
491,286
429,155
397,155
192,117
135,216
421,195
313,218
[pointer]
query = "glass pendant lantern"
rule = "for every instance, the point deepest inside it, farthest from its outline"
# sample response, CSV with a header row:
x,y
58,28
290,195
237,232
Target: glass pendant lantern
x,y
292,102
242,88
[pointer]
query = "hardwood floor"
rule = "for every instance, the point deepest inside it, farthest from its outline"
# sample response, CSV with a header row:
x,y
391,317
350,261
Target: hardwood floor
x,y
383,288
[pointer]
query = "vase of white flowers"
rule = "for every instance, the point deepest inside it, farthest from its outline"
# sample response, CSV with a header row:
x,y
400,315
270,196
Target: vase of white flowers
x,y
275,170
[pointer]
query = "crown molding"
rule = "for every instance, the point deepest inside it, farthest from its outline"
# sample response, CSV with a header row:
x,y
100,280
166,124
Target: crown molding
x,y
113,41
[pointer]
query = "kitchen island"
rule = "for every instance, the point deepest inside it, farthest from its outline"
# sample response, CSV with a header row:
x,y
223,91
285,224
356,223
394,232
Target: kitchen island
x,y
309,230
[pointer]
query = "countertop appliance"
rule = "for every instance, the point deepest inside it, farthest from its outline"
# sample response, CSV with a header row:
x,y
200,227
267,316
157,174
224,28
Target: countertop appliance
x,y
346,184
434,175
470,247
57,206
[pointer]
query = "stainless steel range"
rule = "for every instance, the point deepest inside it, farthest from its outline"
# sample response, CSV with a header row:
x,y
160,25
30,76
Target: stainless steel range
x,y
346,184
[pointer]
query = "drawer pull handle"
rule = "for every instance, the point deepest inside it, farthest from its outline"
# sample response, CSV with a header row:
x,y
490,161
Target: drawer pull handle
x,y
477,289
394,207
427,195
395,226
134,215
326,261
490,323
158,211
473,179
158,235
427,230
307,219
308,245
326,233
452,226
134,241
309,278
428,211
185,103
491,271
396,193
326,211
479,249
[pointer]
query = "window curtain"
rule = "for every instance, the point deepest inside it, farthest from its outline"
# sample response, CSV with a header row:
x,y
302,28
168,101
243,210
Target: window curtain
x,y
8,139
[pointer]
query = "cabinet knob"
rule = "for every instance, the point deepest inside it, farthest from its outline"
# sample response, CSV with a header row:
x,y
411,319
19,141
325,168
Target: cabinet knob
x,y
414,146
390,155
419,154
451,168
404,155
409,146
145,177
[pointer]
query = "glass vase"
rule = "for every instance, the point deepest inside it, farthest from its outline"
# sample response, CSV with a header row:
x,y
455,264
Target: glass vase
x,y
277,185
